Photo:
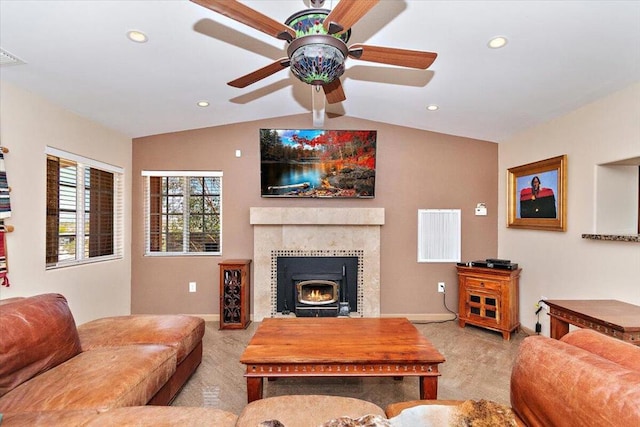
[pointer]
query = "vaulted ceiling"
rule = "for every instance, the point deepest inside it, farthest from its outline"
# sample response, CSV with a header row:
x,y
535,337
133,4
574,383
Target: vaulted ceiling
x,y
560,55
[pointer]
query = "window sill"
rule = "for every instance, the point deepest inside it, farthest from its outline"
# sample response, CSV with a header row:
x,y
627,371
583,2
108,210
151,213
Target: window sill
x,y
614,237
74,263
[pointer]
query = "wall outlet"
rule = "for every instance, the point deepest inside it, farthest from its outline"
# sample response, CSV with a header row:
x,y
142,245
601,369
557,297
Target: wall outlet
x,y
192,286
441,287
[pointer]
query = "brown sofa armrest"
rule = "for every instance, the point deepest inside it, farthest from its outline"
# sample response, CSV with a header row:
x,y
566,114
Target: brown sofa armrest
x,y
620,352
554,383
182,332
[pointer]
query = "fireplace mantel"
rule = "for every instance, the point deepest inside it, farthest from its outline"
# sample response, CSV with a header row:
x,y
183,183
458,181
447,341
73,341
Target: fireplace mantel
x,y
316,216
312,231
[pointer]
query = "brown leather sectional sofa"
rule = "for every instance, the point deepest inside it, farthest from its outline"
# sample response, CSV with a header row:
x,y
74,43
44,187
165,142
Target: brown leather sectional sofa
x,y
101,373
49,364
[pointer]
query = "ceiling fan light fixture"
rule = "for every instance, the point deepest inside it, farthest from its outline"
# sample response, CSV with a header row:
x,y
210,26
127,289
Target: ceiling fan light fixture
x,y
317,59
203,104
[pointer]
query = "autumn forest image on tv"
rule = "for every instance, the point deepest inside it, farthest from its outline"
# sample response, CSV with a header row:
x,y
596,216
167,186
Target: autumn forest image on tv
x,y
317,163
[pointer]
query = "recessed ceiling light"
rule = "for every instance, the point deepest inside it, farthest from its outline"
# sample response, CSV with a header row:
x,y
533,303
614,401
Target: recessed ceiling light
x,y
137,36
203,103
497,42
432,107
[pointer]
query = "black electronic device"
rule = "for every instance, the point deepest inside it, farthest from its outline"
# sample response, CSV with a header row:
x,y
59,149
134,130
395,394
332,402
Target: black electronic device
x,y
499,266
498,261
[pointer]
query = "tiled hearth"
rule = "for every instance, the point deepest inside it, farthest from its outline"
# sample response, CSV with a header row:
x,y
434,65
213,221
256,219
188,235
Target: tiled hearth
x,y
316,232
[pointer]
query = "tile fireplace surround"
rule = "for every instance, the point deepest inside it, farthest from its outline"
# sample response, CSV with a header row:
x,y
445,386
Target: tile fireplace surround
x,y
316,232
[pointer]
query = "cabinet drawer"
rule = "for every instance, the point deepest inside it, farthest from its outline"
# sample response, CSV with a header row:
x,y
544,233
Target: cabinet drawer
x,y
483,284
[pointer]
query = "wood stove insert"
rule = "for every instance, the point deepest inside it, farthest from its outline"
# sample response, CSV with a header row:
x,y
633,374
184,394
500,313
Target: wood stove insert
x,y
317,286
317,295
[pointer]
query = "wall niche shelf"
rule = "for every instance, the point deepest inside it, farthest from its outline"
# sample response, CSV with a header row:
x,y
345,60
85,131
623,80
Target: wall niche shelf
x,y
614,237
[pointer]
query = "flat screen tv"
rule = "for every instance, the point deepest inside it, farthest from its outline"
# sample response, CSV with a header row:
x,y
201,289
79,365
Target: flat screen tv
x,y
318,163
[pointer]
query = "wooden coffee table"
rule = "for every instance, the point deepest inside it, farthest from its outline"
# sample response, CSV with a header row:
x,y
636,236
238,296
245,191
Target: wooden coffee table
x,y
611,317
340,347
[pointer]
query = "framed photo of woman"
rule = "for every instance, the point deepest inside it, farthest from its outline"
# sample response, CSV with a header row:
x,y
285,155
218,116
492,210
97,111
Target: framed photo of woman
x,y
538,194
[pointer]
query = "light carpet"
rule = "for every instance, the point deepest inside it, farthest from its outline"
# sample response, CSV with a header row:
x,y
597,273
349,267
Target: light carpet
x,y
478,366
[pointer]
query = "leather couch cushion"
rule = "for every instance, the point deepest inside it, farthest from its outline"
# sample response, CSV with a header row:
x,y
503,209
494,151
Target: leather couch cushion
x,y
554,383
182,332
623,353
99,379
140,416
36,334
304,410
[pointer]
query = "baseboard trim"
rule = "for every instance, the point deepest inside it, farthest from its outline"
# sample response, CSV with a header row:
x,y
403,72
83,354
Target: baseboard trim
x,y
207,317
427,317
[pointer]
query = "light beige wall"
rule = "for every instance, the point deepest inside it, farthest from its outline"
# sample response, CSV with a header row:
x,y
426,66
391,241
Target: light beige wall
x,y
415,169
563,265
29,124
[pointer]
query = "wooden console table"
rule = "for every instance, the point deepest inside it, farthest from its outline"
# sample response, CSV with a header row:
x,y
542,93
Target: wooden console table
x,y
615,318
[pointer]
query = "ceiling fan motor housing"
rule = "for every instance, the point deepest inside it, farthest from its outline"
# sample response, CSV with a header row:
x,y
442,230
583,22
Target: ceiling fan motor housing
x,y
309,22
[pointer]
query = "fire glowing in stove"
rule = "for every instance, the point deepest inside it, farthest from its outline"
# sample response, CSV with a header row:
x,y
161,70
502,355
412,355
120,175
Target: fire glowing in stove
x,y
317,296
317,292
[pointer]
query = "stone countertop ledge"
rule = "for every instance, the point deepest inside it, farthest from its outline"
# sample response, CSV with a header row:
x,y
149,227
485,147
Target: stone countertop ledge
x,y
613,237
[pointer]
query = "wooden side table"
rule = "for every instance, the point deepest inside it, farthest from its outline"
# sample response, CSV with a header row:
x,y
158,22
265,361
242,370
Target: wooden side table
x,y
235,293
615,318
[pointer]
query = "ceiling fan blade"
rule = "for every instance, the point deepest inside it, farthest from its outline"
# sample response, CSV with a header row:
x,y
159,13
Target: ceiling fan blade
x,y
260,74
248,16
334,92
393,56
346,13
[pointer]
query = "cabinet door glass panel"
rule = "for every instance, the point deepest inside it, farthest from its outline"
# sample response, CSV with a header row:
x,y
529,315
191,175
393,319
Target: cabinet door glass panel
x,y
232,296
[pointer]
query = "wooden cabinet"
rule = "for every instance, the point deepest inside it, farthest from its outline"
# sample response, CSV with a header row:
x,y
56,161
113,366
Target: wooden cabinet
x,y
235,293
488,298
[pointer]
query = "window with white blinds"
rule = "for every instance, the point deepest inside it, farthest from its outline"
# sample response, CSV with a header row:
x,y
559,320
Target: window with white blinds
x,y
183,212
84,210
439,236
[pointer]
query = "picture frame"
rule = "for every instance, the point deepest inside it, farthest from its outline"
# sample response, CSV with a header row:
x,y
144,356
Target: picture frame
x,y
537,195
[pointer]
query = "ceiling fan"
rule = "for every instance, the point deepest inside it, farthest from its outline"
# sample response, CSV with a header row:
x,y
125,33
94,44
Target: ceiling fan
x,y
317,43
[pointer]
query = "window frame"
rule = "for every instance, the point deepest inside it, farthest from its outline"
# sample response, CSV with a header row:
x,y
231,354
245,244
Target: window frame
x,y
82,213
187,175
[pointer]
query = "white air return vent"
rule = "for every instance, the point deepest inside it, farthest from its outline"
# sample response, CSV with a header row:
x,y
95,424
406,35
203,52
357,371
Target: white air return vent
x,y
439,235
8,59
